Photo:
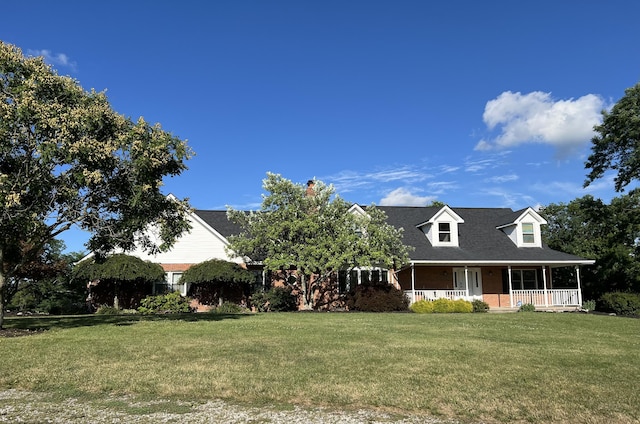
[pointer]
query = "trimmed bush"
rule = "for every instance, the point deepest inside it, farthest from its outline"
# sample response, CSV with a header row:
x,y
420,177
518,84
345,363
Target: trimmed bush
x,y
442,306
627,304
589,305
278,299
170,303
527,307
480,306
229,308
461,306
107,310
422,307
377,298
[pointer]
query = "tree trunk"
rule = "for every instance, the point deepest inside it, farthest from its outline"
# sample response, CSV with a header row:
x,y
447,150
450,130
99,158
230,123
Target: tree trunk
x,y
306,293
2,288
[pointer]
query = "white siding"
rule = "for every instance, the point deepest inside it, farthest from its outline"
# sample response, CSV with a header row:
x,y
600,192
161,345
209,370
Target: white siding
x,y
200,244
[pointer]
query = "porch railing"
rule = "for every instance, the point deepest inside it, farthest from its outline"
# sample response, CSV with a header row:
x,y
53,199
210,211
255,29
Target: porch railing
x,y
436,294
554,297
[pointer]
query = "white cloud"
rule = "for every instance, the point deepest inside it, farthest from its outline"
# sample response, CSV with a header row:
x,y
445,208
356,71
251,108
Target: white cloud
x,y
51,58
501,178
537,118
403,197
347,181
445,169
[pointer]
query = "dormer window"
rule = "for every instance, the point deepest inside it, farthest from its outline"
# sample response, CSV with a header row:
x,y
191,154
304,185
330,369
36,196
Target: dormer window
x,y
528,234
444,232
442,228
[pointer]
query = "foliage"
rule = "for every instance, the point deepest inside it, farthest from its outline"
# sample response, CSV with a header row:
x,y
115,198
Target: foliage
x,y
229,308
107,310
170,303
312,230
617,143
66,158
589,305
589,228
422,307
527,307
44,284
377,298
215,280
120,280
118,267
277,299
217,271
620,303
480,306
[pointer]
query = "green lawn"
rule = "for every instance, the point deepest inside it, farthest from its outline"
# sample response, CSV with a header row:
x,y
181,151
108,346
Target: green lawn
x,y
528,367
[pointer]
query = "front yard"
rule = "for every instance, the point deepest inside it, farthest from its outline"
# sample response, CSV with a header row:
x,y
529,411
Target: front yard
x,y
525,367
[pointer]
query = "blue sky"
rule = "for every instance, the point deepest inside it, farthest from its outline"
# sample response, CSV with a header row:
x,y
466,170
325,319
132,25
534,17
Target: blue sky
x,y
393,102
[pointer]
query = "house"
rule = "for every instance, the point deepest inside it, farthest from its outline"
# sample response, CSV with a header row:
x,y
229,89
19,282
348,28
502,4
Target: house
x,y
491,254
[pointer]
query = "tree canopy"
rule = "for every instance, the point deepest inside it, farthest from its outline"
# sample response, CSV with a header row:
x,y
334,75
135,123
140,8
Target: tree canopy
x,y
313,230
66,158
617,143
610,234
217,271
118,267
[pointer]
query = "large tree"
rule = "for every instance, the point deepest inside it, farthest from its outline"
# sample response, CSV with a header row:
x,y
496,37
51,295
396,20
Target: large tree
x,y
610,234
311,229
616,145
120,279
66,158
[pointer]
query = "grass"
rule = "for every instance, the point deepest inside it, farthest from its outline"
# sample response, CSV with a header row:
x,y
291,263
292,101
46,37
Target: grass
x,y
539,367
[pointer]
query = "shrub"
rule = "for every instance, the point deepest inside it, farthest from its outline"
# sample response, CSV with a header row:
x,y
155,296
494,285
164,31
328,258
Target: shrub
x,y
377,298
480,306
620,303
527,307
107,310
278,299
461,306
170,303
229,308
589,305
442,306
422,307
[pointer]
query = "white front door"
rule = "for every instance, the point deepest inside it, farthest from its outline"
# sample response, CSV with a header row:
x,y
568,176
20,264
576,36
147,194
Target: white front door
x,y
475,281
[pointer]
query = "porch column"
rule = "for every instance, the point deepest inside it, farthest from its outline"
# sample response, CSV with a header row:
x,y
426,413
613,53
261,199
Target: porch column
x,y
544,285
579,288
510,286
413,284
466,280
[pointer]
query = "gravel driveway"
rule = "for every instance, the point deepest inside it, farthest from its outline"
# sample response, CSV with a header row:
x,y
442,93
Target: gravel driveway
x,y
28,407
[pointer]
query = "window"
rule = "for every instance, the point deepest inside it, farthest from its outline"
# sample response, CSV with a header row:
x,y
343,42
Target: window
x,y
349,280
444,232
528,236
525,279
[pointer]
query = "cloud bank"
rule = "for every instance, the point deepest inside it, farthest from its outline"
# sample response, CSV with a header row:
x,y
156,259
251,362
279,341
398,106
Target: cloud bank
x,y
537,118
403,197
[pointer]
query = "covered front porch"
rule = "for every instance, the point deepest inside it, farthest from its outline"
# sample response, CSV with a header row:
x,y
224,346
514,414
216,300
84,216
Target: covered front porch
x,y
499,285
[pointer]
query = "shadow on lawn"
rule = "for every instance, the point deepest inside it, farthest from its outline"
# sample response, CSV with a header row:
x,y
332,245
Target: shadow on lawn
x,y
34,324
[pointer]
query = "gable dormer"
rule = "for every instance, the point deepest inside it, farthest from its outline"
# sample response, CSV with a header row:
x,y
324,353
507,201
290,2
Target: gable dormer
x,y
442,229
523,228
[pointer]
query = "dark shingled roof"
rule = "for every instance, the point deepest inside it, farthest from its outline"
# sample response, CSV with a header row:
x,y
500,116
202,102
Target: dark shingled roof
x,y
219,222
479,239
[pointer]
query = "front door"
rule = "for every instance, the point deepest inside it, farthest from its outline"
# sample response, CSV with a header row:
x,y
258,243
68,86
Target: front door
x,y
475,281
